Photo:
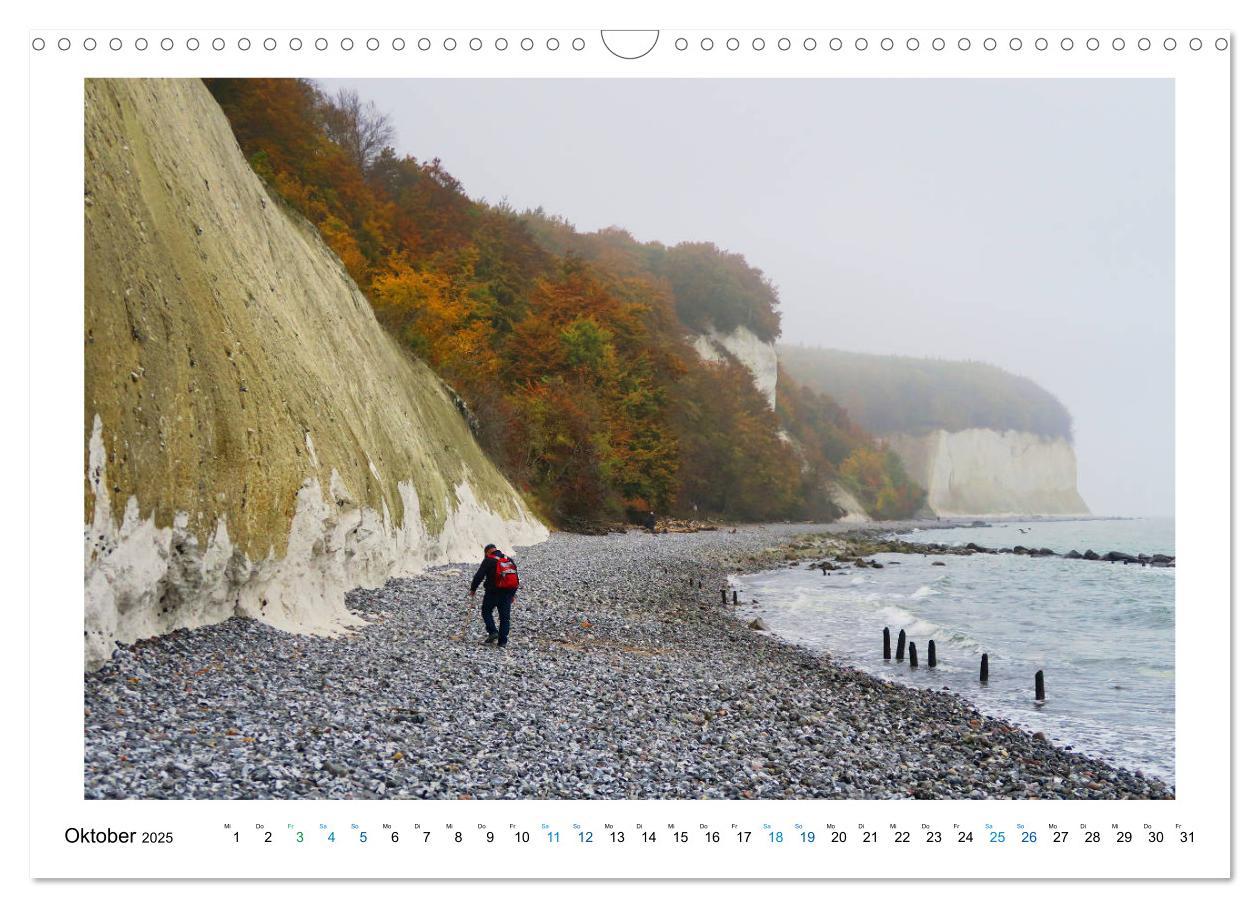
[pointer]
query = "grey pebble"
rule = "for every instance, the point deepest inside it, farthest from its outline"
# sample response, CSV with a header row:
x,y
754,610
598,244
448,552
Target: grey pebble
x,y
666,694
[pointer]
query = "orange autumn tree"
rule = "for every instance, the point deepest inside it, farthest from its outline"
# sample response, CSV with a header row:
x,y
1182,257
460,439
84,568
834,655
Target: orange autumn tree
x,y
579,342
570,349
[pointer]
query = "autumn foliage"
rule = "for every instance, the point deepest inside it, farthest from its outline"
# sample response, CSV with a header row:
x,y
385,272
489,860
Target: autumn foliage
x,y
569,348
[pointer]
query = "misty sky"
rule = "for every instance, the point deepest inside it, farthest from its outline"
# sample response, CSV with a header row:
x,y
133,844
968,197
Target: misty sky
x,y
1027,223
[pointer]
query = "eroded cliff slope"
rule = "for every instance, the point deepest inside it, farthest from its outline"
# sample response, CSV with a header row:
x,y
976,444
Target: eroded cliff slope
x,y
255,444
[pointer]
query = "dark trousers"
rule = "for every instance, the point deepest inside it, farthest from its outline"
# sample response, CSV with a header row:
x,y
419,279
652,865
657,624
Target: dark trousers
x,y
501,600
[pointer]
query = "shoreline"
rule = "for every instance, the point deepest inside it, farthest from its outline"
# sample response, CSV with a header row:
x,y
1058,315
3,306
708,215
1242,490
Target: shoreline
x,y
622,681
780,599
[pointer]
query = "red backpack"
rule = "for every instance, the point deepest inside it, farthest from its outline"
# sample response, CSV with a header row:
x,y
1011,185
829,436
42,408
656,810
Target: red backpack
x,y
505,576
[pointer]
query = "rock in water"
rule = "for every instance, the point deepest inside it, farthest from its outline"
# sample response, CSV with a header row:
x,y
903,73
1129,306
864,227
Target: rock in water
x,y
1119,556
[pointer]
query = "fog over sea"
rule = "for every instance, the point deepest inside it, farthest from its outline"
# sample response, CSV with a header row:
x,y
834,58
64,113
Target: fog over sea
x,y
1101,632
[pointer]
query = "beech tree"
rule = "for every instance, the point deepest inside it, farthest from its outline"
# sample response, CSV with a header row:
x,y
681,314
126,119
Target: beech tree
x,y
358,126
570,349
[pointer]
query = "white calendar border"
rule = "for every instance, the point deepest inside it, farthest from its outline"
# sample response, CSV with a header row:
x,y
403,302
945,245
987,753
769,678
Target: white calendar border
x,y
1203,490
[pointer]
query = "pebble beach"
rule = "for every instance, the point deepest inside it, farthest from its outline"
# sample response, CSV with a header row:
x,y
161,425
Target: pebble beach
x,y
625,677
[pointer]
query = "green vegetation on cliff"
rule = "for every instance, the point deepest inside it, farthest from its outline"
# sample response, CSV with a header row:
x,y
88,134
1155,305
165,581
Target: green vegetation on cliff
x,y
712,288
571,349
902,394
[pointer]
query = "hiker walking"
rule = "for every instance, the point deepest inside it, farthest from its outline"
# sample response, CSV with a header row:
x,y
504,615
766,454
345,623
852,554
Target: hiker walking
x,y
498,573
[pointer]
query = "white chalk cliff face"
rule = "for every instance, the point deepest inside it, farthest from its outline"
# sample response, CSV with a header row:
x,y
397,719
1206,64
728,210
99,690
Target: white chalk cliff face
x,y
255,444
761,359
984,472
746,348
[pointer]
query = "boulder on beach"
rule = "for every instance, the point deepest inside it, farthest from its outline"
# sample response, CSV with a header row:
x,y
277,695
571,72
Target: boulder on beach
x,y
1091,555
758,625
1073,554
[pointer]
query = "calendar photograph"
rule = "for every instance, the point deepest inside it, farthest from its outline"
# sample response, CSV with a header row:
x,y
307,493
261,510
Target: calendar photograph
x,y
493,439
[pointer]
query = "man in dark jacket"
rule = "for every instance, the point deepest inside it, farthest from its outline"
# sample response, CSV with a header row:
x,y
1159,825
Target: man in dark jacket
x,y
495,598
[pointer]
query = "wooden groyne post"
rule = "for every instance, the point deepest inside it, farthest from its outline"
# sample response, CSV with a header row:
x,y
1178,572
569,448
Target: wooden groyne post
x,y
724,597
931,654
901,645
914,657
887,645
984,668
735,597
1039,682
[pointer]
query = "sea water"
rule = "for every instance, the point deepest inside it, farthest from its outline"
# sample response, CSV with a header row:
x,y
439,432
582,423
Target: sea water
x,y
1102,633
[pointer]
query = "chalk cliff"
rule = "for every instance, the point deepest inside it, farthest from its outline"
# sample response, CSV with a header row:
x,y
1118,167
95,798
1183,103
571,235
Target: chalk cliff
x,y
255,444
747,349
985,472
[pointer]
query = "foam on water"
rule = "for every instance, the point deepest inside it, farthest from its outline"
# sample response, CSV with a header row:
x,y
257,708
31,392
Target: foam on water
x,y
1028,614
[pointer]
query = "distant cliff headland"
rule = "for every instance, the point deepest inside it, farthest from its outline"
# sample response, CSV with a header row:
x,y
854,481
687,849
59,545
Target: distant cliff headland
x,y
980,440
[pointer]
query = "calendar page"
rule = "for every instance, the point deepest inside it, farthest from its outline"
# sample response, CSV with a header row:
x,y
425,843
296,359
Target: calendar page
x,y
513,451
